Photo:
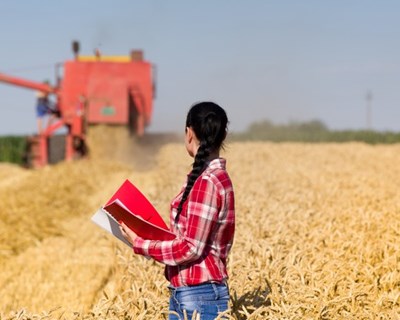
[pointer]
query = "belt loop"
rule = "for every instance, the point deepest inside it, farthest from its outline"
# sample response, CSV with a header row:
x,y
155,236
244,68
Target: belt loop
x,y
227,285
215,291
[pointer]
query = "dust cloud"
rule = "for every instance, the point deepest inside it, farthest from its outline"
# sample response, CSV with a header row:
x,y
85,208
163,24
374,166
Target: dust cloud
x,y
115,143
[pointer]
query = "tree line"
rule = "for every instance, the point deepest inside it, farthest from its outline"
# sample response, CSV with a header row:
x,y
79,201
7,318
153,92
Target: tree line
x,y
311,131
12,149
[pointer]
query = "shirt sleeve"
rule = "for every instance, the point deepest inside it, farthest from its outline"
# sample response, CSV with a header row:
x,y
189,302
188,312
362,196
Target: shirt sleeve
x,y
202,213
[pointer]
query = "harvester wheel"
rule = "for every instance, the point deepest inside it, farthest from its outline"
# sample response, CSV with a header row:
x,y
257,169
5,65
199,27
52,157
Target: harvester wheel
x,y
56,148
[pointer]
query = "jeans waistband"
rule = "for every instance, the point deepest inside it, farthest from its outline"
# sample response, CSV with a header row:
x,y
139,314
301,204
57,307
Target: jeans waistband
x,y
224,282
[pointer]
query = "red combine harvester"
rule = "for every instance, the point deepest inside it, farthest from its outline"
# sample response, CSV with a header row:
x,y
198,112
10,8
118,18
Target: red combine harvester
x,y
112,90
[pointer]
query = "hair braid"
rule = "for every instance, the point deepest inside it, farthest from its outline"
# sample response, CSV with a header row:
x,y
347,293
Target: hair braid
x,y
198,167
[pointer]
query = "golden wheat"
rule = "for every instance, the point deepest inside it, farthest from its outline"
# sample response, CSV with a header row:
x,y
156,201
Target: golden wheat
x,y
317,235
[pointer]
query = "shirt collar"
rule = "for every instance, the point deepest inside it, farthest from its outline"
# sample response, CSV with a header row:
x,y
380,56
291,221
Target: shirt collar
x,y
218,163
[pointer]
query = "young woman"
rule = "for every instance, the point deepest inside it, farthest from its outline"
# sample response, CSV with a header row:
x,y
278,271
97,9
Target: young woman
x,y
203,219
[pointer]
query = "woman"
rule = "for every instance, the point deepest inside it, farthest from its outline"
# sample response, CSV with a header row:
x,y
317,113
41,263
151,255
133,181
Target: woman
x,y
203,219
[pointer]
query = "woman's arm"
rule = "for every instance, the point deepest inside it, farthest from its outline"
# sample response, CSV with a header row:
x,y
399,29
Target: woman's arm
x,y
202,213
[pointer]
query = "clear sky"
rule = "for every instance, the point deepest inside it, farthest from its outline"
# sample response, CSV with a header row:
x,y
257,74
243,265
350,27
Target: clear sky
x,y
278,60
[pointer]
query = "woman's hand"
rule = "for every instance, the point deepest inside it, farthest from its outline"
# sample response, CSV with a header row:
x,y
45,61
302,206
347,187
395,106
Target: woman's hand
x,y
127,233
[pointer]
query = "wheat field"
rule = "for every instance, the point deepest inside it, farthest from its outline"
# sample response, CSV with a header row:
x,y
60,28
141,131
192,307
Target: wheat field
x,y
317,236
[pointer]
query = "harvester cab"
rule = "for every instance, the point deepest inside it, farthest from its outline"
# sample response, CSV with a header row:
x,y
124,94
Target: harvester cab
x,y
111,90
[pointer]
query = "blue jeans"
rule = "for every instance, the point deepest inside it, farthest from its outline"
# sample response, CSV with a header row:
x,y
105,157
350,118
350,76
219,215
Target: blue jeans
x,y
206,299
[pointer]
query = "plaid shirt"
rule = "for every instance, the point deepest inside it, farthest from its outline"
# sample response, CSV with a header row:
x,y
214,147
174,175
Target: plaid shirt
x,y
204,231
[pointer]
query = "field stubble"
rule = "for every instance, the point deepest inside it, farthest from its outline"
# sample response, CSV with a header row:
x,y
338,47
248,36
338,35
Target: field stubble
x,y
317,234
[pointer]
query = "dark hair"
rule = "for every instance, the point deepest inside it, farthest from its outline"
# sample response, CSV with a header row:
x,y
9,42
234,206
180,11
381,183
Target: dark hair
x,y
209,123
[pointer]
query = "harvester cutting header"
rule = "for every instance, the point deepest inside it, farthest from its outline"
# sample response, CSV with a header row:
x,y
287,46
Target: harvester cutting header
x,y
112,90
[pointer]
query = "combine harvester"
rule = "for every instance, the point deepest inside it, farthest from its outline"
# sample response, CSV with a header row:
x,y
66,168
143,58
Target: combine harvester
x,y
111,90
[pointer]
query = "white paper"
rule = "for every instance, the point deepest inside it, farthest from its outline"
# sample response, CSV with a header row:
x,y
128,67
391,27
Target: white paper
x,y
108,223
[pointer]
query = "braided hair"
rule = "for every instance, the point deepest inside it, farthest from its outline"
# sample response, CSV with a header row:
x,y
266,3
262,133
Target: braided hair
x,y
209,123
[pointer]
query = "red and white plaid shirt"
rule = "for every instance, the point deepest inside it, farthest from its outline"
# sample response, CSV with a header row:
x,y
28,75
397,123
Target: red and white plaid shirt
x,y
205,231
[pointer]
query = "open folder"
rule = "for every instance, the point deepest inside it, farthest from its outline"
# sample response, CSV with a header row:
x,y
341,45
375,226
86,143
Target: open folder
x,y
130,206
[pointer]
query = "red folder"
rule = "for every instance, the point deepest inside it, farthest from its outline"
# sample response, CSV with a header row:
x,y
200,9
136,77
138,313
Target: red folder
x,y
129,205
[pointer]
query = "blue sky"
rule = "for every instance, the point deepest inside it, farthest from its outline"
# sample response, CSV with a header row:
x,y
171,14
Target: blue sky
x,y
277,60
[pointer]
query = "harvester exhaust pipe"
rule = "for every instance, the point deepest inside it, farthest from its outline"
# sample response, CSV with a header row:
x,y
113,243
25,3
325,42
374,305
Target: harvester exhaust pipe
x,y
75,48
